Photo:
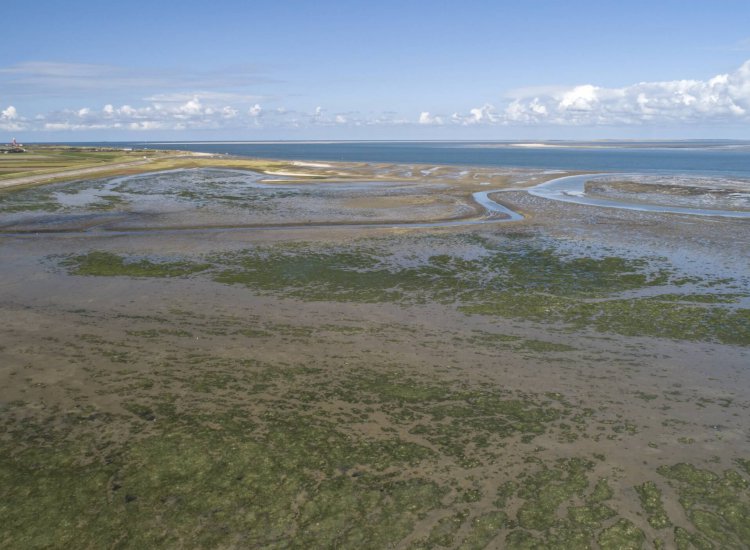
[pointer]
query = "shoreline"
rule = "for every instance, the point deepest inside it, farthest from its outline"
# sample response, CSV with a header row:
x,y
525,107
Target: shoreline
x,y
317,173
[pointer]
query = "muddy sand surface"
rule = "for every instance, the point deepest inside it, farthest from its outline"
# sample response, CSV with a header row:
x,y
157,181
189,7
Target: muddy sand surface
x,y
578,379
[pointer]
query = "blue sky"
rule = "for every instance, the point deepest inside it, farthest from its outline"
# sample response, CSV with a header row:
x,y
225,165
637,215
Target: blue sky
x,y
82,70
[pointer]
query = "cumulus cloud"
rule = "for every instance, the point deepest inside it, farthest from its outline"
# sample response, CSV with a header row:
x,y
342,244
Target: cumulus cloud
x,y
9,114
10,119
486,114
426,118
723,98
321,117
193,113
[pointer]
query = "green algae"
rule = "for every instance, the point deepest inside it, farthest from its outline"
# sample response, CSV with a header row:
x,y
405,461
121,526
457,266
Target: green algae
x,y
650,497
368,274
472,495
462,423
226,451
108,203
223,452
623,535
513,279
547,516
241,487
484,529
727,298
504,492
547,489
685,540
602,491
444,531
36,199
108,264
590,515
716,504
631,317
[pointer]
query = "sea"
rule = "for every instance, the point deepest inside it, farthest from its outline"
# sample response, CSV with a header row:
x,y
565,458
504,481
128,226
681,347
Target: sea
x,y
727,158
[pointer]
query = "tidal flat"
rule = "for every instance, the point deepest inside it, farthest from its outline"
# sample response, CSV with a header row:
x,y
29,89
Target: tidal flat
x,y
222,358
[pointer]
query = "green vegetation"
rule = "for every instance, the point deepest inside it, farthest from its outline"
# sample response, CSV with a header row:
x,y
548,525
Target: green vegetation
x,y
208,468
44,164
107,264
623,535
484,529
509,278
41,159
200,449
468,425
193,485
548,490
651,502
29,200
718,505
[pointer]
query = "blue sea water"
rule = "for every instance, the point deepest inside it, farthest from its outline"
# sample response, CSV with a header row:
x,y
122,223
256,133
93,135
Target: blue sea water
x,y
720,158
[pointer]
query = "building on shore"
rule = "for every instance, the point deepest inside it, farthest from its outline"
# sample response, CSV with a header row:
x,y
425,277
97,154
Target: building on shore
x,y
12,147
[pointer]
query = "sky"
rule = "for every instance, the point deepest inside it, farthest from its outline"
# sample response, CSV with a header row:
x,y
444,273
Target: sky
x,y
270,70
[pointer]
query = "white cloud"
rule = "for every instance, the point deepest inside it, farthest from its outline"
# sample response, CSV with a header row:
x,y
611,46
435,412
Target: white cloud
x,y
11,120
725,97
146,125
57,126
191,107
319,117
580,98
228,112
426,118
191,114
486,114
9,114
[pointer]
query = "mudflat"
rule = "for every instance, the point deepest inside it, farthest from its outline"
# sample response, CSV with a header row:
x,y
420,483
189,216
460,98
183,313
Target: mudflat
x,y
228,358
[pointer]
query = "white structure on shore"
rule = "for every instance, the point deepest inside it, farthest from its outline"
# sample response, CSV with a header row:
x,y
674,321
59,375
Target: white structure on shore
x,y
13,147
